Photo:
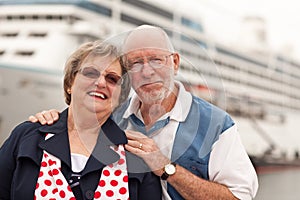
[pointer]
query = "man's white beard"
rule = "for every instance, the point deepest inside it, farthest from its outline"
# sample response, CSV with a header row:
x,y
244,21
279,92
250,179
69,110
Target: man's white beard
x,y
153,96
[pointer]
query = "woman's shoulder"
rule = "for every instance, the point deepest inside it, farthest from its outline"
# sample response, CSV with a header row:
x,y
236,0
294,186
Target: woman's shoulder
x,y
24,130
24,133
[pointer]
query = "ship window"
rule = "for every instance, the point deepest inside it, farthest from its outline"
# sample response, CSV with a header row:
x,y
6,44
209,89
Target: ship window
x,y
96,8
150,8
9,17
25,53
191,24
38,35
12,34
57,17
49,17
38,17
35,17
132,20
15,17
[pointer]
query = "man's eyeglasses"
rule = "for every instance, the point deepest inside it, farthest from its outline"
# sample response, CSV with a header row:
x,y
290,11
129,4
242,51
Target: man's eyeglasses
x,y
92,73
155,61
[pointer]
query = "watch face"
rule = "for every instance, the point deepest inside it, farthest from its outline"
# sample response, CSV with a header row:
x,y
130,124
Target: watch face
x,y
170,169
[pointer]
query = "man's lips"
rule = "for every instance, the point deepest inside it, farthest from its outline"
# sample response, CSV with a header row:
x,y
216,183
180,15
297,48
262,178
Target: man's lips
x,y
153,85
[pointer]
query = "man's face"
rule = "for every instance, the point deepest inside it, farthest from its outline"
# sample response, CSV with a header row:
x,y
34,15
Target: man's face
x,y
152,73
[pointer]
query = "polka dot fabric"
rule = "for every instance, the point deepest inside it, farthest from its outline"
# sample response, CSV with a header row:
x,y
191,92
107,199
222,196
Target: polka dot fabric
x,y
114,179
52,185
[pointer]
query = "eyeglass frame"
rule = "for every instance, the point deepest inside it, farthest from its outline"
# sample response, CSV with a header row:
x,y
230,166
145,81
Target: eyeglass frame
x,y
113,83
153,65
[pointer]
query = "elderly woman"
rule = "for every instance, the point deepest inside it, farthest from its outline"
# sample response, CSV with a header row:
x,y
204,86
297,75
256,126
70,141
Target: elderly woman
x,y
82,155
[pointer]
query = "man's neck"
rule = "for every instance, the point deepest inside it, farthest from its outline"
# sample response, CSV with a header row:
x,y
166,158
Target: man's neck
x,y
151,112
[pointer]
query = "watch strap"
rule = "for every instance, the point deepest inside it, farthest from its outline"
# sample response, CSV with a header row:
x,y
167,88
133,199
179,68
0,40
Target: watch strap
x,y
164,176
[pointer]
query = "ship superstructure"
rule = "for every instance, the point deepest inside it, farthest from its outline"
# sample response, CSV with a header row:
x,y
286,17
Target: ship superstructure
x,y
36,37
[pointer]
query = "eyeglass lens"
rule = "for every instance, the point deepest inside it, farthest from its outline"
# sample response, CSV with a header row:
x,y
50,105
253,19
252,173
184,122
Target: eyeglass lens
x,y
93,73
156,61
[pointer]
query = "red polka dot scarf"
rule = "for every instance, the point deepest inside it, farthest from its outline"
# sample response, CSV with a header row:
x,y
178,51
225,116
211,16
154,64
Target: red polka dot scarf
x,y
51,183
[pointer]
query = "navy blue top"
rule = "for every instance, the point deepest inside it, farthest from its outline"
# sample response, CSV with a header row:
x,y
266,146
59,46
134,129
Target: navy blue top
x,y
21,155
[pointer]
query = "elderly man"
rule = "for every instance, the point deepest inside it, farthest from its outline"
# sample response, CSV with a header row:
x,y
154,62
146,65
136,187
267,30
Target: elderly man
x,y
192,145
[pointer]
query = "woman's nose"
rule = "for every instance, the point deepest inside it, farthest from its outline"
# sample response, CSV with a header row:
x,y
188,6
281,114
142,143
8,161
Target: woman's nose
x,y
100,82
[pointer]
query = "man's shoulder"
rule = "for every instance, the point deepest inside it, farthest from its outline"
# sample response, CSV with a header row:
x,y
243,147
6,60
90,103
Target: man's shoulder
x,y
207,105
212,112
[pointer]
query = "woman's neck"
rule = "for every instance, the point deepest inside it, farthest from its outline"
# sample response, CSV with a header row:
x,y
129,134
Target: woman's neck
x,y
85,120
83,130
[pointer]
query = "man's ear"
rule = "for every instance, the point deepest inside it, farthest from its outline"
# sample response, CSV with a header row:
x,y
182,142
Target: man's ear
x,y
176,61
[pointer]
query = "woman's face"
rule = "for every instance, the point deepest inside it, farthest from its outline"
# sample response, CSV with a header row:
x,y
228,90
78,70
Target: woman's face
x,y
97,85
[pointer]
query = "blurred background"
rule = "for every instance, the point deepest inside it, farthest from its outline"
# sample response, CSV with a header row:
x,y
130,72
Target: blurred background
x,y
242,56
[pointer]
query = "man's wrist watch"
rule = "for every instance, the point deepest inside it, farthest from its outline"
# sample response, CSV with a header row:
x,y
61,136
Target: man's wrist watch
x,y
169,170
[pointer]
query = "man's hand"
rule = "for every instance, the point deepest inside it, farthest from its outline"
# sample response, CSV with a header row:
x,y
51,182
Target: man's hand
x,y
146,148
45,117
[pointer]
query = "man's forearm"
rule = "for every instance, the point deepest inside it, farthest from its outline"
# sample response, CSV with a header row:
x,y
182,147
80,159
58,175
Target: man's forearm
x,y
193,187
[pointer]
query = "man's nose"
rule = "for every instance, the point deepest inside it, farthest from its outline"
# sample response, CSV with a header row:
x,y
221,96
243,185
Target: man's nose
x,y
147,70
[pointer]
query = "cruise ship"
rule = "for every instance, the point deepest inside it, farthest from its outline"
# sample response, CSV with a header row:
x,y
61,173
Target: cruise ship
x,y
261,91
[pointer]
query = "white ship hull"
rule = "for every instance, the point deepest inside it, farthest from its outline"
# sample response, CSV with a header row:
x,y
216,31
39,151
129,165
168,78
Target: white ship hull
x,y
24,92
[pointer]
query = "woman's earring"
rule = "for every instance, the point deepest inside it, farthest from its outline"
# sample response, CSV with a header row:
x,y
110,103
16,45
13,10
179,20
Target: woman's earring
x,y
69,91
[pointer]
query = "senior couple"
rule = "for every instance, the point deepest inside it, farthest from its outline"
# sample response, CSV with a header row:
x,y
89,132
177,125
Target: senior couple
x,y
161,143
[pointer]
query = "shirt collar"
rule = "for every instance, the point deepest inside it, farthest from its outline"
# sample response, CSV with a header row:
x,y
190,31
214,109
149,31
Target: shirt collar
x,y
179,111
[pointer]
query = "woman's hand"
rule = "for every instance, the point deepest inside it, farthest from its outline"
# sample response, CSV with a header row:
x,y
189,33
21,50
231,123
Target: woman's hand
x,y
146,148
45,117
